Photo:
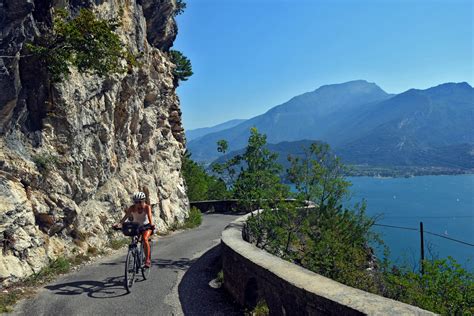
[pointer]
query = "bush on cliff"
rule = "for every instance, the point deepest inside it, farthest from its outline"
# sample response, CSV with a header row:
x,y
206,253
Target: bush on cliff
x,y
84,41
183,69
180,6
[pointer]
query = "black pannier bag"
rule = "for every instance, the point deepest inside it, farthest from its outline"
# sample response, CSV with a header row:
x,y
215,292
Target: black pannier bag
x,y
130,229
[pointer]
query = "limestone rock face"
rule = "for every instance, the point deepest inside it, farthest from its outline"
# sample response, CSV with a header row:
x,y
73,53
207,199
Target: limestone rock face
x,y
72,153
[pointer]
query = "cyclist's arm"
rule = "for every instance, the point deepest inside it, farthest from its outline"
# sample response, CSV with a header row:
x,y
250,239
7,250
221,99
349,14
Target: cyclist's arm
x,y
127,214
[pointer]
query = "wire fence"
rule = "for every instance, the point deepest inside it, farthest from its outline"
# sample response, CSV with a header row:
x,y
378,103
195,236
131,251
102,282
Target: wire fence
x,y
428,232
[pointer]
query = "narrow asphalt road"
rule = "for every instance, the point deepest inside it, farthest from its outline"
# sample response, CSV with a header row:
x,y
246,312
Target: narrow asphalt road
x,y
183,264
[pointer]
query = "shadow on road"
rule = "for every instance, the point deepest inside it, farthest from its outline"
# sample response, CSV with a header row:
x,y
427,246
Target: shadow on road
x,y
109,288
197,297
113,263
181,264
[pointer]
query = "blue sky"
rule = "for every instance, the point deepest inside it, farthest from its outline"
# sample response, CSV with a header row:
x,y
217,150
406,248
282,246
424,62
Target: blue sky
x,y
251,55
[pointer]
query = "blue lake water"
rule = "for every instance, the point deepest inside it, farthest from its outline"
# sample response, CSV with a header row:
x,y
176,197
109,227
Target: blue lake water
x,y
445,205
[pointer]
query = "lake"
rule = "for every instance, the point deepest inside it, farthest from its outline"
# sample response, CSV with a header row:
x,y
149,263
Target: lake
x,y
445,205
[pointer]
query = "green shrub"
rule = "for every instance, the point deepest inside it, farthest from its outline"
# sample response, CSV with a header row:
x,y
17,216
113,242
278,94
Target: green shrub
x,y
194,219
261,309
118,243
199,185
445,287
56,267
83,41
220,277
45,162
8,299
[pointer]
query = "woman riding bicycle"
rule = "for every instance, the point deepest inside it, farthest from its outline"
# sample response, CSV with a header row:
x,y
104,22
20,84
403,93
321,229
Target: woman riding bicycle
x,y
140,212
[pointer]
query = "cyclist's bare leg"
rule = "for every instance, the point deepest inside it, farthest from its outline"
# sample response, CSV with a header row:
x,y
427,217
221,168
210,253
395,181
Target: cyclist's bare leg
x,y
146,246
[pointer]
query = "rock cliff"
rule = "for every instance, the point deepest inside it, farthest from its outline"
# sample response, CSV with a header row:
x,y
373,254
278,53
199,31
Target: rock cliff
x,y
72,153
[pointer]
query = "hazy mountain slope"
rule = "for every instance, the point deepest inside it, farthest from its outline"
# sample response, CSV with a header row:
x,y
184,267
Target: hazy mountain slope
x,y
414,128
440,115
432,127
198,132
302,117
446,159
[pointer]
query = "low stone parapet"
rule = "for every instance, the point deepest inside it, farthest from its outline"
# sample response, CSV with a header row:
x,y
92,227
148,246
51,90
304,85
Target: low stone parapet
x,y
252,274
218,206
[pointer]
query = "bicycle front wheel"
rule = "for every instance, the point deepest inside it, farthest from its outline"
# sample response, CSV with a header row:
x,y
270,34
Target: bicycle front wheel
x,y
130,270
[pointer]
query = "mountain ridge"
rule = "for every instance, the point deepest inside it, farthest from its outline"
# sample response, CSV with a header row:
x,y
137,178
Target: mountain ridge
x,y
202,131
274,121
363,122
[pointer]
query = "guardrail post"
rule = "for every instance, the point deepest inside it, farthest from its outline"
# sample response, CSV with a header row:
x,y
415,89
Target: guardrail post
x,y
422,249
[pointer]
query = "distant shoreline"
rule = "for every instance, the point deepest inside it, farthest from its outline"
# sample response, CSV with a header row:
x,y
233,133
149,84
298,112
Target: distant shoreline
x,y
404,171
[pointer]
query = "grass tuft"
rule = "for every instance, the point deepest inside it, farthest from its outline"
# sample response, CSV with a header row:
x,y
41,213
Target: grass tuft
x,y
7,300
118,243
220,277
260,310
193,220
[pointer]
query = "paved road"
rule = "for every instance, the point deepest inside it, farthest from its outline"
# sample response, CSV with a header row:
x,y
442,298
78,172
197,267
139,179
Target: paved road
x,y
183,264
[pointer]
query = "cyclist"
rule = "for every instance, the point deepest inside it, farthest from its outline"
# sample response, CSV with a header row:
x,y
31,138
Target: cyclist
x,y
140,213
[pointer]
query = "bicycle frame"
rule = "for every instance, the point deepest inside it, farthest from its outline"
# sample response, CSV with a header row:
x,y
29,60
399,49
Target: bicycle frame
x,y
135,261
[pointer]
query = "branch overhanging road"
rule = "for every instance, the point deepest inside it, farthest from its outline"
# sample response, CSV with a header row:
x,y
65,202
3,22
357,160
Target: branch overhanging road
x,y
183,264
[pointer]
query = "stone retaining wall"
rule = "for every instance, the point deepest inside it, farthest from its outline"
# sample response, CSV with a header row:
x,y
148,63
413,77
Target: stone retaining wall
x,y
251,274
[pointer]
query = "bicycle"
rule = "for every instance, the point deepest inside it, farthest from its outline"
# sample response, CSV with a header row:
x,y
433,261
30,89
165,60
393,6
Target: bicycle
x,y
135,260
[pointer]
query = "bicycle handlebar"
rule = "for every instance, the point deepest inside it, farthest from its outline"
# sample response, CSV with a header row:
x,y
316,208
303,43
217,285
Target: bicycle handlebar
x,y
141,228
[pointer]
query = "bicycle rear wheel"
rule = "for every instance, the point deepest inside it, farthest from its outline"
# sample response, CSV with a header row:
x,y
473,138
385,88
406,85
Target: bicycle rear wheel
x,y
145,271
130,270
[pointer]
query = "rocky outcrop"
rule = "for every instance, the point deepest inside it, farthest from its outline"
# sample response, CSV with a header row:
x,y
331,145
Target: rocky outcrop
x,y
72,153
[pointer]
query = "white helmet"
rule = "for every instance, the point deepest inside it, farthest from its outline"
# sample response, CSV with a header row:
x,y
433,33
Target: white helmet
x,y
138,196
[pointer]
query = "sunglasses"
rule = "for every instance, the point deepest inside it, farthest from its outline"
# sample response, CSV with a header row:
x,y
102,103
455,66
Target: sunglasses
x,y
138,202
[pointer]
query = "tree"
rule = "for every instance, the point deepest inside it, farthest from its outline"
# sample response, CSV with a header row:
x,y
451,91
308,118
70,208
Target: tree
x,y
222,146
183,69
199,185
327,237
319,176
227,169
258,183
84,41
180,6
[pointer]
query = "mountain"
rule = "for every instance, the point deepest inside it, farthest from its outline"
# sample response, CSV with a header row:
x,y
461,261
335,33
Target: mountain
x,y
308,116
198,132
366,126
417,127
